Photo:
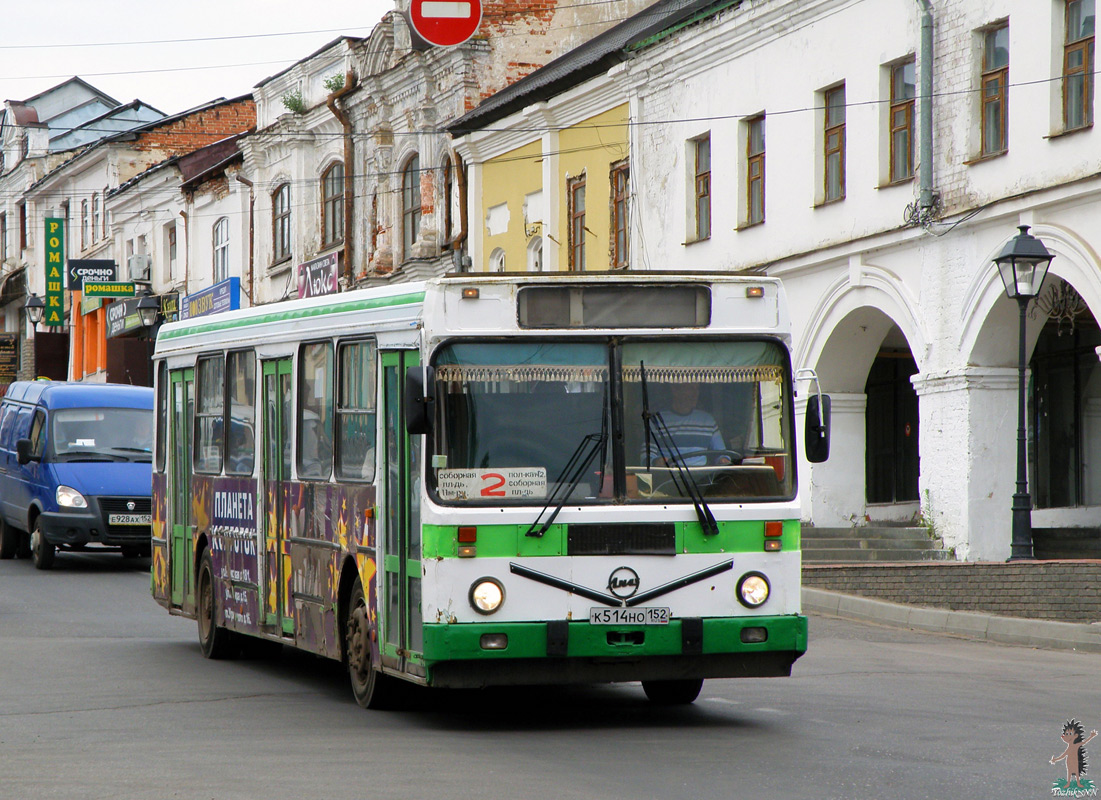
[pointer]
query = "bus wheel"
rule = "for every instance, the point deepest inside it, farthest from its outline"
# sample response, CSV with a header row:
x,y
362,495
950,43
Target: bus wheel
x,y
216,642
371,688
42,551
9,540
673,693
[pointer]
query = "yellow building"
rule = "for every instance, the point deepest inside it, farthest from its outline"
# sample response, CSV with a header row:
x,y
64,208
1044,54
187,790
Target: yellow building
x,y
549,183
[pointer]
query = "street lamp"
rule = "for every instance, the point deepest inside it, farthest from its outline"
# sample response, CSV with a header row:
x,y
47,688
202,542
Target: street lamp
x,y
148,308
35,307
1023,265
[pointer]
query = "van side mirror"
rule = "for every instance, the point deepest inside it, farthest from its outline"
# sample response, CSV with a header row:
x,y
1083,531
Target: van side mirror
x,y
420,399
23,451
816,438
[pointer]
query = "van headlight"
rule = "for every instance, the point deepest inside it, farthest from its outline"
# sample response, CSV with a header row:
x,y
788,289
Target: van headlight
x,y
68,497
486,595
753,590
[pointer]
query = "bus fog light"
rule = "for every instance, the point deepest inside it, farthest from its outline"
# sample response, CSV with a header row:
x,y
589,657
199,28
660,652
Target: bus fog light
x,y
753,590
494,641
487,595
754,635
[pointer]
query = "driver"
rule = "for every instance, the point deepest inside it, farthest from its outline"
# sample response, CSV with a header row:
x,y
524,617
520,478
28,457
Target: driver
x,y
692,429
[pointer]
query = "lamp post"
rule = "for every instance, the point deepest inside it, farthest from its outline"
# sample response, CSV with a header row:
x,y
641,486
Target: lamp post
x,y
1022,264
35,308
148,309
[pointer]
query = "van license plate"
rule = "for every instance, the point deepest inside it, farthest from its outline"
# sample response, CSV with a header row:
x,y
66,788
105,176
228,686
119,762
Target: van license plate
x,y
629,616
129,519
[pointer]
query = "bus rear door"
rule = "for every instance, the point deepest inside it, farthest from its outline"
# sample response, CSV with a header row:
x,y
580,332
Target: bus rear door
x,y
182,382
276,468
403,635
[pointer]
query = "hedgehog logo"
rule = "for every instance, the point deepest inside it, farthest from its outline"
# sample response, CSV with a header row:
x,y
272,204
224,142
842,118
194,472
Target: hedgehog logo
x,y
1077,762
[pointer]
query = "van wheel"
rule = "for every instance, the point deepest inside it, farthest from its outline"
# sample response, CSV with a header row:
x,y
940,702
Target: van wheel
x,y
9,541
370,687
42,551
673,693
215,641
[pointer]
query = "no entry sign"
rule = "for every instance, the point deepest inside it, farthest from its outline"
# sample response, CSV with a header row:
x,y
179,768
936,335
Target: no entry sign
x,y
445,22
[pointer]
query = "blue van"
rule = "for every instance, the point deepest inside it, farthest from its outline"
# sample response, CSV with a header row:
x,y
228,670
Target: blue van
x,y
75,468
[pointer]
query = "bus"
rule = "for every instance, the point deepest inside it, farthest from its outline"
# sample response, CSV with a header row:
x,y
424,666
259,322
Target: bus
x,y
493,479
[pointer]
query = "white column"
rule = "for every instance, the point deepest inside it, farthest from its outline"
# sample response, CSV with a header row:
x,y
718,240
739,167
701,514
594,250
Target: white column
x,y
833,492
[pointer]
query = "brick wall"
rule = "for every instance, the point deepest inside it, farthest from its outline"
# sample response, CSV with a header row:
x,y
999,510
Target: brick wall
x,y
1066,591
191,132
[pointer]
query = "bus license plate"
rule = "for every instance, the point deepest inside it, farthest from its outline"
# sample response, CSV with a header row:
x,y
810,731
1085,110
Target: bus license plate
x,y
629,616
129,519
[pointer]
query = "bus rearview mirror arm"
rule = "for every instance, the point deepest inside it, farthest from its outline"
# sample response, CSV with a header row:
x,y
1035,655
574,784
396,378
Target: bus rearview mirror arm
x,y
420,398
816,434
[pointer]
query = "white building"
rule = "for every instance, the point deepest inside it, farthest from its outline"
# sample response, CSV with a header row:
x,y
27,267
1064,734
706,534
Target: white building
x,y
785,137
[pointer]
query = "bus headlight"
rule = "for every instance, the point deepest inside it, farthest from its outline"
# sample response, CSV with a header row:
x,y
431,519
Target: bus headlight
x,y
487,595
753,590
68,497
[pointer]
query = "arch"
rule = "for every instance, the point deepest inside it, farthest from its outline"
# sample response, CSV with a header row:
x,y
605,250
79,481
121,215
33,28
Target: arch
x,y
497,260
988,313
849,323
535,254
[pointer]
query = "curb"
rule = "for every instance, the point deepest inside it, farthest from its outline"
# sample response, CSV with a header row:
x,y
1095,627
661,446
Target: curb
x,y
1045,634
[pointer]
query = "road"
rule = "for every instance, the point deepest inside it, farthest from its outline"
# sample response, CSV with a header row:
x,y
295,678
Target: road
x,y
103,695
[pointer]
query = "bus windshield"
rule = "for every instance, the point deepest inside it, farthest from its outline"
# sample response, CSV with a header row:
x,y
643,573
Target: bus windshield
x,y
521,422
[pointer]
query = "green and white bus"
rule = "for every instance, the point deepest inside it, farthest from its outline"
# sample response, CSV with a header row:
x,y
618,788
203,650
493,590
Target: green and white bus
x,y
490,479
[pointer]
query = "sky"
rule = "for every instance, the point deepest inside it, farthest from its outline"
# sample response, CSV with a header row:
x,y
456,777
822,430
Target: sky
x,y
171,55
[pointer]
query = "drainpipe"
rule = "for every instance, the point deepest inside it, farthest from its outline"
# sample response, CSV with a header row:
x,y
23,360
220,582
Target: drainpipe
x,y
187,252
460,182
349,169
251,234
926,200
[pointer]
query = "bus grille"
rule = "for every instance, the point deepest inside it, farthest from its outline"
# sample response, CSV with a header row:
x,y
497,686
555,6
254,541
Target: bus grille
x,y
623,539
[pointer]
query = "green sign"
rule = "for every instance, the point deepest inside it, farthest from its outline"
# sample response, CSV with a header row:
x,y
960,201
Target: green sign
x,y
108,289
55,272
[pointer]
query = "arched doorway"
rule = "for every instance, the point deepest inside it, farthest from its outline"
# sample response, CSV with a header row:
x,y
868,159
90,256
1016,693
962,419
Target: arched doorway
x,y
891,462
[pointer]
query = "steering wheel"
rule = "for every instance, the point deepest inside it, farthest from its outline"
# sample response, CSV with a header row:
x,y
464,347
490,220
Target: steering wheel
x,y
707,478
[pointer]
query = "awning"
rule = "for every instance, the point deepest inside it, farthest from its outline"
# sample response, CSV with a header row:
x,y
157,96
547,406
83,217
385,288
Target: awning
x,y
13,286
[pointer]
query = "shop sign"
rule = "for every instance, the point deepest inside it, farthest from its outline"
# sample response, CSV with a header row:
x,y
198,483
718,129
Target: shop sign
x,y
224,296
319,277
123,317
55,276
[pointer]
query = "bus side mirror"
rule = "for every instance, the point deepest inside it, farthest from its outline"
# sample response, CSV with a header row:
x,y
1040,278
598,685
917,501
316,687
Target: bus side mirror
x,y
816,439
23,451
420,397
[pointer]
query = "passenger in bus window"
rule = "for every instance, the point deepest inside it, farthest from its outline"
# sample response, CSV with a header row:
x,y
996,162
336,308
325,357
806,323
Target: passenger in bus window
x,y
692,429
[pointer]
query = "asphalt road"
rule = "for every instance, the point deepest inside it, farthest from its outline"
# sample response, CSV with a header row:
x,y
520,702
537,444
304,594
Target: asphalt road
x,y
104,695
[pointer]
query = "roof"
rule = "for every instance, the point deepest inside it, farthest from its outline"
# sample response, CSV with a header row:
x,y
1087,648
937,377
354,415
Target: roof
x,y
595,57
65,394
314,54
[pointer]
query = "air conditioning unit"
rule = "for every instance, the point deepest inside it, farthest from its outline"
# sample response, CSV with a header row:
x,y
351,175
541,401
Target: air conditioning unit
x,y
138,267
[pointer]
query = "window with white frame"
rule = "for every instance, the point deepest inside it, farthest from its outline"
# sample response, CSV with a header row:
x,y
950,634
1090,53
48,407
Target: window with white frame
x,y
755,170
95,217
85,239
281,223
221,249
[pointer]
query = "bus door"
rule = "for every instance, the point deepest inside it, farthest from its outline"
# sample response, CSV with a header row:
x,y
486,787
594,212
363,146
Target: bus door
x,y
402,628
182,400
276,469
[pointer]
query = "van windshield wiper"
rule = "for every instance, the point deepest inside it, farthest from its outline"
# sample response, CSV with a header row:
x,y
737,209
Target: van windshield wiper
x,y
578,463
90,455
667,449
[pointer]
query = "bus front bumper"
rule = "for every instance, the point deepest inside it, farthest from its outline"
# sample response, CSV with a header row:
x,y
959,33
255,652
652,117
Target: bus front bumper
x,y
578,652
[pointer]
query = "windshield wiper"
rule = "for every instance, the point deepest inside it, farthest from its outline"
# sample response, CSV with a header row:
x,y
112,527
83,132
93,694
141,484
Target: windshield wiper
x,y
89,455
668,450
576,466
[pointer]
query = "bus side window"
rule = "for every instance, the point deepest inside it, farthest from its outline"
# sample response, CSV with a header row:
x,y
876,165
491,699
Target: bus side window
x,y
241,427
355,412
315,411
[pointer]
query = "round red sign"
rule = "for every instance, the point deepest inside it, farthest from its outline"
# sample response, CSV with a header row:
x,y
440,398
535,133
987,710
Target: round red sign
x,y
445,22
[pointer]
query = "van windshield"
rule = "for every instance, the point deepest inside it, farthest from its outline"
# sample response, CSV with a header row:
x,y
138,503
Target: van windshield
x,y
101,434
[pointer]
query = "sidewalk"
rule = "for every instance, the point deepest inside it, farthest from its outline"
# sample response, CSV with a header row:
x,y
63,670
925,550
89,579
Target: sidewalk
x,y
1043,634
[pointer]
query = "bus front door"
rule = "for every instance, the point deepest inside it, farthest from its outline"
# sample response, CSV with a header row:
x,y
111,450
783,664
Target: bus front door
x,y
403,636
276,466
182,383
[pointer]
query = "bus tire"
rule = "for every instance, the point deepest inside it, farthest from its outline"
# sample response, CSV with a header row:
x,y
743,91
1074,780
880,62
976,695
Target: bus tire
x,y
9,540
215,641
370,687
673,693
41,550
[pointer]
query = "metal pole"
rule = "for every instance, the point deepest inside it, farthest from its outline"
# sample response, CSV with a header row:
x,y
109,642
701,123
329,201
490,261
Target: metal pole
x,y
1021,546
